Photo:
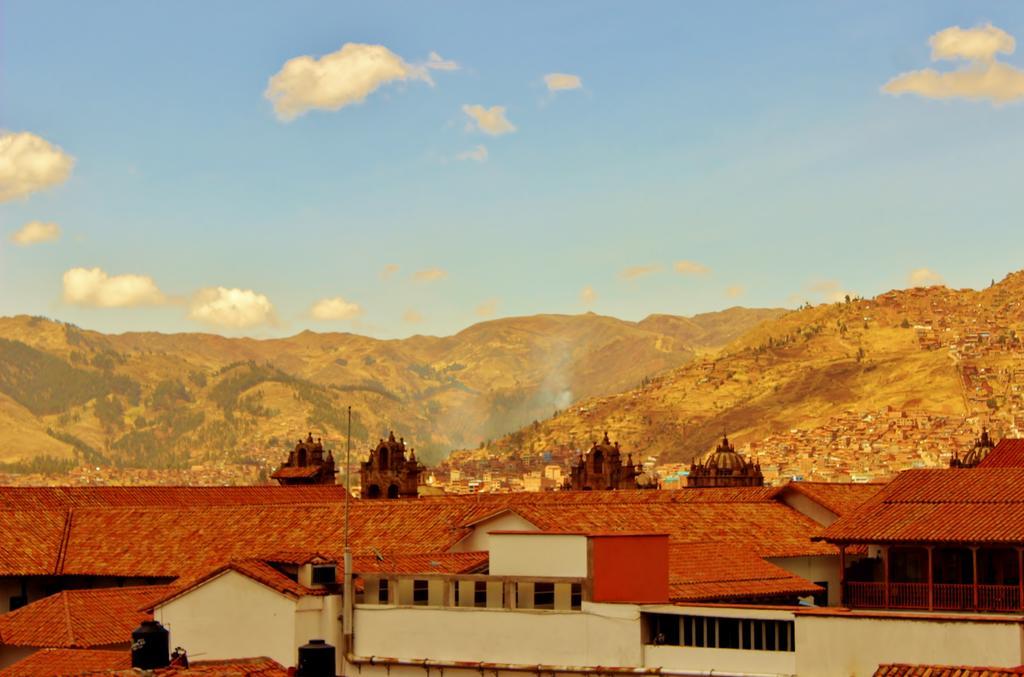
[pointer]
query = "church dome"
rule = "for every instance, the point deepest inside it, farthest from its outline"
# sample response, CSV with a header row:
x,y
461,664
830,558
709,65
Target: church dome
x,y
979,451
726,458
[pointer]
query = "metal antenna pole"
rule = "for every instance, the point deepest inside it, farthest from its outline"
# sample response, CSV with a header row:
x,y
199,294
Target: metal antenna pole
x,y
347,591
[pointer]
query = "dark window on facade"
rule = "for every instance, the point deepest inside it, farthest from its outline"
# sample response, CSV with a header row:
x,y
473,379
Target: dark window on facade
x,y
382,592
720,633
663,629
421,592
324,574
480,593
821,598
543,595
577,596
728,633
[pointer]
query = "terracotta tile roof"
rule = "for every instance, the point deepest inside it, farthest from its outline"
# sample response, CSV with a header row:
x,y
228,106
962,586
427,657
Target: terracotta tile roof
x,y
251,667
173,540
36,498
980,505
67,662
705,572
30,542
767,528
900,670
840,498
1008,453
82,662
257,570
79,618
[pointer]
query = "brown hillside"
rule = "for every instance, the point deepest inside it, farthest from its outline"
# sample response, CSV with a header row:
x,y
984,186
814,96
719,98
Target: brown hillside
x,y
945,351
159,400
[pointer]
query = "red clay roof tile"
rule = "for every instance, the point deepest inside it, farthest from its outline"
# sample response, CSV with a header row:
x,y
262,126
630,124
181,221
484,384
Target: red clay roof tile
x,y
901,670
705,572
980,505
79,618
840,498
68,662
1008,453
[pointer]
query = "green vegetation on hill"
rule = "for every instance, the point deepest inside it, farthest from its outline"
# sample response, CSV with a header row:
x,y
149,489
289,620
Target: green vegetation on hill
x,y
46,384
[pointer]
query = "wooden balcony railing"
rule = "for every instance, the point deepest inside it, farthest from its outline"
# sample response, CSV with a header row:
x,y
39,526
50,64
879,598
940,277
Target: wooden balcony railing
x,y
944,596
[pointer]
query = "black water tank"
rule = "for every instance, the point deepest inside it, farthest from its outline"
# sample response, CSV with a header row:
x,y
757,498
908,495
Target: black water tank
x,y
151,646
316,659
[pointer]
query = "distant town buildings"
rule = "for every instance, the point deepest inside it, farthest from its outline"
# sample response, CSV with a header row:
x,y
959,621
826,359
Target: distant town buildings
x,y
387,473
307,464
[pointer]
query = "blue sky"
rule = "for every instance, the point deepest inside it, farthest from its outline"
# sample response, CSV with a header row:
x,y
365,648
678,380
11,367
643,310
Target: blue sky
x,y
752,140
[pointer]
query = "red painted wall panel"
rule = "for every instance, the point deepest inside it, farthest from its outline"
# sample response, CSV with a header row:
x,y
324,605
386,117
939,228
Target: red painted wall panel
x,y
630,568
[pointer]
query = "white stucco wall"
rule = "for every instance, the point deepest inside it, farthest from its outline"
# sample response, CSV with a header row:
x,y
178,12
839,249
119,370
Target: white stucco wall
x,y
720,660
806,506
601,634
232,616
478,540
538,555
851,646
814,568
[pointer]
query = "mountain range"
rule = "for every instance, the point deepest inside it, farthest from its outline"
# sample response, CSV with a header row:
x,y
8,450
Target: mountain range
x,y
935,349
168,400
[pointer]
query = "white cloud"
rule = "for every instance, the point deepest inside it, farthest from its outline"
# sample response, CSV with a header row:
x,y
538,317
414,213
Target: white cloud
x,y
94,287
983,77
559,81
588,296
35,232
691,268
435,62
633,272
430,275
412,317
489,120
236,308
335,308
479,154
487,308
388,270
337,79
924,277
735,291
973,44
29,163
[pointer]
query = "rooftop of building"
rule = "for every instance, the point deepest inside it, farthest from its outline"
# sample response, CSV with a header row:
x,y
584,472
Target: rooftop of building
x,y
1008,453
68,663
81,662
125,538
707,572
839,497
977,505
903,670
79,618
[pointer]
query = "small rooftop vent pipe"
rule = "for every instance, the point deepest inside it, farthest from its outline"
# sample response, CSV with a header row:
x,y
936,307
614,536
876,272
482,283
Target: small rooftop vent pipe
x,y
316,659
151,644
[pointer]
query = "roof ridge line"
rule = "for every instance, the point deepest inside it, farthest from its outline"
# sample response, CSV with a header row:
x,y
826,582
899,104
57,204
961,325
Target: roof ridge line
x,y
67,617
58,565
